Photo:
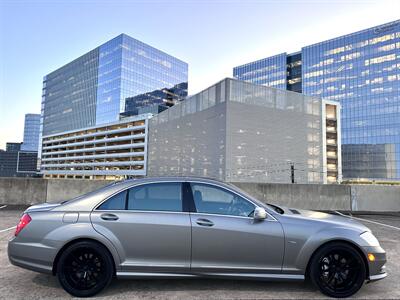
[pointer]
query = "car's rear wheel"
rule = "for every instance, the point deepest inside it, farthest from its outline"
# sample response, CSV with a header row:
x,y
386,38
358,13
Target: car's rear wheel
x,y
85,268
338,270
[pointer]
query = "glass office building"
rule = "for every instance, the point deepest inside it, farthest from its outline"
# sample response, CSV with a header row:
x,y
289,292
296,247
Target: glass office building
x,y
14,162
92,90
361,70
31,133
270,71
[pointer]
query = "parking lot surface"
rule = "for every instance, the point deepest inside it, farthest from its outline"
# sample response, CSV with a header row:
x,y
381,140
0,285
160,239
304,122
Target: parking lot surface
x,y
17,283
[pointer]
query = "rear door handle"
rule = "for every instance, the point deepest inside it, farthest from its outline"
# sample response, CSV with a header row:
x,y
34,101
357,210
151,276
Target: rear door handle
x,y
109,217
204,222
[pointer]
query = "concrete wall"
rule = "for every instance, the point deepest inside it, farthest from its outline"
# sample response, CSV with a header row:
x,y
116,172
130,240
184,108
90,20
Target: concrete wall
x,y
60,190
375,198
26,191
22,191
304,196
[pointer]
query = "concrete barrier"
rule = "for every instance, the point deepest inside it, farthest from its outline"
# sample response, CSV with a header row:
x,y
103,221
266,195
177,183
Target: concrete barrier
x,y
22,191
302,196
27,191
375,198
60,190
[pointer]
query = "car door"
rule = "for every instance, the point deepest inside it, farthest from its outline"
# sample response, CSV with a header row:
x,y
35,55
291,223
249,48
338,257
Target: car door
x,y
147,225
226,238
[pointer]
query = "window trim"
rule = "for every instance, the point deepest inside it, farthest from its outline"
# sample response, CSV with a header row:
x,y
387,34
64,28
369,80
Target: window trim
x,y
189,207
194,209
108,198
271,217
140,184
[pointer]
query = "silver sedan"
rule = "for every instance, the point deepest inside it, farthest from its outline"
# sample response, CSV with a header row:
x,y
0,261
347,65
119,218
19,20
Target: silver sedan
x,y
191,227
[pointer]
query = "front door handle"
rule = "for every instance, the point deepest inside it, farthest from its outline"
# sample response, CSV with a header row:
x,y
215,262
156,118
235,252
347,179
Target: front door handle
x,y
109,217
204,222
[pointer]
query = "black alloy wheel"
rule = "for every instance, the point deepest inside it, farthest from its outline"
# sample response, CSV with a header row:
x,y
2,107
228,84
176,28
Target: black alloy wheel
x,y
85,268
338,270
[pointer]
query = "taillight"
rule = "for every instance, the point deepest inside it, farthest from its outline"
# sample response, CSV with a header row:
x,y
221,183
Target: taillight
x,y
25,219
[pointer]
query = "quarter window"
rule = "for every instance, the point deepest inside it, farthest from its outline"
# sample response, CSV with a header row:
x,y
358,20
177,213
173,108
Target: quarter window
x,y
214,200
156,197
116,202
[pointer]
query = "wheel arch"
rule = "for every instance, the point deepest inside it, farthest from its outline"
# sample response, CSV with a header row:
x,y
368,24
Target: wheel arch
x,y
74,241
353,245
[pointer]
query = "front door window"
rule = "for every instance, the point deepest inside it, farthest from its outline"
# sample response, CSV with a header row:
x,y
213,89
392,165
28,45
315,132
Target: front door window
x,y
214,200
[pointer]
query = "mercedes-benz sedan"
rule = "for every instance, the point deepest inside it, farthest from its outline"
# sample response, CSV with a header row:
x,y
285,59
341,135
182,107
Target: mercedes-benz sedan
x,y
191,227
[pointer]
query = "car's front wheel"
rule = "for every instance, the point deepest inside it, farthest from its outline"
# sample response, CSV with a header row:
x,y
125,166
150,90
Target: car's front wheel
x,y
85,268
338,270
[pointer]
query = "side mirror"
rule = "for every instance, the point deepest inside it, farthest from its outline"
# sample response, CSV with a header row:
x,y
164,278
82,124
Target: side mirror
x,y
260,213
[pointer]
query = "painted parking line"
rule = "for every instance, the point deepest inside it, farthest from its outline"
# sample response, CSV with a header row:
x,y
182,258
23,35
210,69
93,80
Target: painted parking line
x,y
369,221
3,206
7,229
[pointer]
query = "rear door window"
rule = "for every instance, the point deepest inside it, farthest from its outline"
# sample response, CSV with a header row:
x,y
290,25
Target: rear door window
x,y
166,196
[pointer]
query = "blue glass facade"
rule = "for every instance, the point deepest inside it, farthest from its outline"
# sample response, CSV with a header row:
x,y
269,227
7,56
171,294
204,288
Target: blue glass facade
x,y
109,81
93,89
31,132
270,71
362,71
130,69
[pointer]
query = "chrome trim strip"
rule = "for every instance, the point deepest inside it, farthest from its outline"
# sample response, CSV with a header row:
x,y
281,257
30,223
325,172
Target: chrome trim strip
x,y
201,274
272,219
188,180
233,268
258,275
377,277
152,274
143,211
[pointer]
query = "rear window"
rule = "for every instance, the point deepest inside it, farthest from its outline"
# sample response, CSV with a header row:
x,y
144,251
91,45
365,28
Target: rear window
x,y
116,202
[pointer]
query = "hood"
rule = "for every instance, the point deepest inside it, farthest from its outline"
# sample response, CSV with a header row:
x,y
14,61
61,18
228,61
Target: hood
x,y
328,218
41,207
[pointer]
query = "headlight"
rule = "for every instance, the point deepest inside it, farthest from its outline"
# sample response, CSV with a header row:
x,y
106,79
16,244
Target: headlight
x,y
369,238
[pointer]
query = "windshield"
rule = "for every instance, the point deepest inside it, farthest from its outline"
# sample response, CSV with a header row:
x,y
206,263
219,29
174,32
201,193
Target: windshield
x,y
275,208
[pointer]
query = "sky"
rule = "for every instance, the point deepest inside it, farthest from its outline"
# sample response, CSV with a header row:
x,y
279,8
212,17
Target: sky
x,y
37,37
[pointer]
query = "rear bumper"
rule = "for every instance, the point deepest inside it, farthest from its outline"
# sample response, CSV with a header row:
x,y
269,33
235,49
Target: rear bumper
x,y
32,256
376,268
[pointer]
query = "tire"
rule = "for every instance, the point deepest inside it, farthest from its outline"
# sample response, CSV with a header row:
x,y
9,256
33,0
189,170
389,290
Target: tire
x,y
85,268
337,270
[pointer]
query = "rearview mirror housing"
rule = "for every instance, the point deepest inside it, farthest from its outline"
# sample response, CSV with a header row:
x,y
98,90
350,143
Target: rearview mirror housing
x,y
260,213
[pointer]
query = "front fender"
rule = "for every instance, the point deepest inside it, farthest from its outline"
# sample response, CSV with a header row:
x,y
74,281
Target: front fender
x,y
324,236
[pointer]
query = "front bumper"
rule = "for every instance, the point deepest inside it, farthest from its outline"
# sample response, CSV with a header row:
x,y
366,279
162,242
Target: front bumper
x,y
376,268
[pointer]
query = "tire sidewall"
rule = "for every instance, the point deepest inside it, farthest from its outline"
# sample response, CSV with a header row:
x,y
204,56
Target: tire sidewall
x,y
314,269
109,268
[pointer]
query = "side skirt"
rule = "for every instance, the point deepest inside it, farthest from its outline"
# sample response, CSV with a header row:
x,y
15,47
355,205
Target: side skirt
x,y
253,276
